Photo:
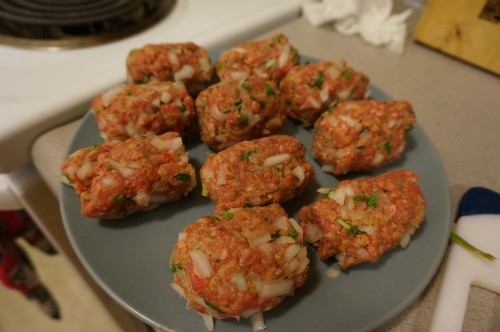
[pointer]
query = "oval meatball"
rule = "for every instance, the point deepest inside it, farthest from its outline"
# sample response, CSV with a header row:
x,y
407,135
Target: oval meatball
x,y
311,89
153,108
119,178
268,170
359,220
361,136
271,57
236,110
239,263
185,62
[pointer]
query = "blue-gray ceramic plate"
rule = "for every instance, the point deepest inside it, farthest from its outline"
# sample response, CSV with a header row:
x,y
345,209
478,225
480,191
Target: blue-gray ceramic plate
x,y
129,258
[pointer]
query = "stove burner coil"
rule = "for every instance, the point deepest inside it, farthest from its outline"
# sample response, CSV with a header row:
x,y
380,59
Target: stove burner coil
x,y
59,24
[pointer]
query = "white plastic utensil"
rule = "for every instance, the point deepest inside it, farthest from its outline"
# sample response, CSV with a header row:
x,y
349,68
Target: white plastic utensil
x,y
478,224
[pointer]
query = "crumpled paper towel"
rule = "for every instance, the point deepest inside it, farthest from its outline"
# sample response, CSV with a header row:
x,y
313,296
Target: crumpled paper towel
x,y
372,19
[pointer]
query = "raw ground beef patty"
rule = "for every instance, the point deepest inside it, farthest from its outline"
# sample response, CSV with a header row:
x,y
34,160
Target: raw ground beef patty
x,y
236,110
361,136
118,178
268,170
239,263
359,220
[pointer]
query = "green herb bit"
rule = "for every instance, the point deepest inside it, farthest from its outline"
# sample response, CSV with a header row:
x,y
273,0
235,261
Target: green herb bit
x,y
123,198
361,147
460,241
269,90
277,38
214,217
238,104
220,65
176,267
245,85
182,108
319,81
346,74
273,65
370,200
245,155
227,215
275,235
157,110
351,230
93,147
211,306
293,233
204,192
305,122
387,146
243,119
182,176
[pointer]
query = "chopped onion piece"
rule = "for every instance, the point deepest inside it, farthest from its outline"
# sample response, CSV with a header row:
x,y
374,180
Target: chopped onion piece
x,y
222,175
303,264
315,103
278,288
186,71
239,282
182,236
84,169
280,223
291,252
108,96
324,95
178,289
323,190
368,229
124,171
276,159
258,323
350,121
284,55
239,75
174,144
202,267
142,198
217,114
209,321
172,57
284,240
332,273
165,97
299,172
313,233
344,94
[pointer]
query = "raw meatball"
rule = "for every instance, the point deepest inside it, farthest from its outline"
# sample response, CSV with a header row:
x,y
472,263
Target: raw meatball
x,y
185,62
258,172
118,178
311,89
271,57
153,108
361,136
359,220
239,263
236,110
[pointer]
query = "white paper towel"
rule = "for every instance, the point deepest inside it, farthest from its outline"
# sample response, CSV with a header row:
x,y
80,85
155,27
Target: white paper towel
x,y
372,19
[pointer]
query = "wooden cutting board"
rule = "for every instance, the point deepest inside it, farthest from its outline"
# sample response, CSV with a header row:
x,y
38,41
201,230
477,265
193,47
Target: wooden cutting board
x,y
466,29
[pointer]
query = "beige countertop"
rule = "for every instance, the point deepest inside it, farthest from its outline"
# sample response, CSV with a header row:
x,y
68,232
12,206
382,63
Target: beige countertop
x,y
457,105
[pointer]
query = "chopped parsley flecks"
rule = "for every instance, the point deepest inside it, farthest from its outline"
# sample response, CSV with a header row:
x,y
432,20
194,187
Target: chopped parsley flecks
x,y
182,176
371,200
318,83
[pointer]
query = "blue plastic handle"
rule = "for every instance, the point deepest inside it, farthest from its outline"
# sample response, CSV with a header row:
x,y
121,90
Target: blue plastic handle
x,y
479,200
